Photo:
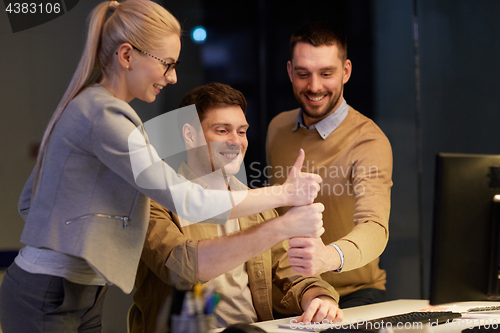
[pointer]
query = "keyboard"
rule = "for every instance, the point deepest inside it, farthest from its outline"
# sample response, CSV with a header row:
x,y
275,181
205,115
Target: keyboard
x,y
413,320
484,309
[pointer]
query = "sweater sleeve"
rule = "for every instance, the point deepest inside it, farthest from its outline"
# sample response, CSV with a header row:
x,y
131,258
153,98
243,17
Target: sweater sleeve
x,y
371,183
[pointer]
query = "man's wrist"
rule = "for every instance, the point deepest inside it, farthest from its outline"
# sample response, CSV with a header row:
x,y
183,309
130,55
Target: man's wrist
x,y
341,255
276,228
326,295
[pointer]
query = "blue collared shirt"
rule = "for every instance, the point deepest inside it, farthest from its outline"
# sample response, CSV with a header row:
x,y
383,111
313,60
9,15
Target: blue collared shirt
x,y
326,126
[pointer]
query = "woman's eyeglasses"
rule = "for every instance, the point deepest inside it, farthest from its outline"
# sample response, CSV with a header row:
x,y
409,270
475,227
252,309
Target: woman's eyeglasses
x,y
168,66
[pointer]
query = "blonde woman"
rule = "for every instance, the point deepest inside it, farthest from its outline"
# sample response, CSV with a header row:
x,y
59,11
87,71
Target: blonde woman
x,y
85,216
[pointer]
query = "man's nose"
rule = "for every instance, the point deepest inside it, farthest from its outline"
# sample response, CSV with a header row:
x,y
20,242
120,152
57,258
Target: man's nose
x,y
233,139
314,83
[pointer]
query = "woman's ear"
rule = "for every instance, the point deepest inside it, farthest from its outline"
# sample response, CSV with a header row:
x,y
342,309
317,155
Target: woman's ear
x,y
124,54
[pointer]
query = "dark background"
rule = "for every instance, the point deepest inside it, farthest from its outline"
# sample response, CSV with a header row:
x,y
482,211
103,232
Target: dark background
x,y
426,71
247,47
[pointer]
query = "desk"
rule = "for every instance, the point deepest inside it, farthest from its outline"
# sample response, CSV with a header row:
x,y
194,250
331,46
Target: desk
x,y
379,310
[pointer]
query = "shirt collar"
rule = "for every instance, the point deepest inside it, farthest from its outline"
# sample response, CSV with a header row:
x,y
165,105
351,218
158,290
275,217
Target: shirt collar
x,y
326,126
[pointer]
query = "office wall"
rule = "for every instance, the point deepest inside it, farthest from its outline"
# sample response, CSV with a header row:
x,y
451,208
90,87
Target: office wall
x,y
36,66
436,65
394,81
460,100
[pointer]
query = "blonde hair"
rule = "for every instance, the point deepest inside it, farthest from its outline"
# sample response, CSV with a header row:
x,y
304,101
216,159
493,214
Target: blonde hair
x,y
142,23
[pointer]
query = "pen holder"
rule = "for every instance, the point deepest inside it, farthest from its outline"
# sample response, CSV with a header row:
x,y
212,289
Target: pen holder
x,y
192,324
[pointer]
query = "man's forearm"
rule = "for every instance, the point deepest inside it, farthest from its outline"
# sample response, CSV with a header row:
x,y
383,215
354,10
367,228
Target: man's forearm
x,y
257,200
220,255
359,249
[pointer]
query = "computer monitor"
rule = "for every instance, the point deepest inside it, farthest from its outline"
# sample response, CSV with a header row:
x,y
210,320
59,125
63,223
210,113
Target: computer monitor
x,y
465,251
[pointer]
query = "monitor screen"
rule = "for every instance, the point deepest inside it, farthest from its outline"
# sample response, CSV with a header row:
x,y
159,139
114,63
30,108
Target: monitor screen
x,y
464,264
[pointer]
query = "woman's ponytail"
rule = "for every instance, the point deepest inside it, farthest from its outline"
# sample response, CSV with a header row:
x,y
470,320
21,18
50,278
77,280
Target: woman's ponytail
x,y
88,72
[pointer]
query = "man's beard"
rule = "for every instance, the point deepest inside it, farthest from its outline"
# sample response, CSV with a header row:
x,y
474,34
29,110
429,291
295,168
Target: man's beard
x,y
326,110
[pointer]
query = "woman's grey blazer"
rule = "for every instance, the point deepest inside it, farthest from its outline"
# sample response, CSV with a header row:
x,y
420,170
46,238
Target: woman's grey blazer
x,y
87,203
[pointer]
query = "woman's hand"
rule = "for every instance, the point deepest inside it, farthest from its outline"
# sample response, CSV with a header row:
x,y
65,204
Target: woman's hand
x,y
301,188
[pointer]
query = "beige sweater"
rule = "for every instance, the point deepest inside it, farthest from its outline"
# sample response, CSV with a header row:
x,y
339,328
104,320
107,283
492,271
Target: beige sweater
x,y
355,161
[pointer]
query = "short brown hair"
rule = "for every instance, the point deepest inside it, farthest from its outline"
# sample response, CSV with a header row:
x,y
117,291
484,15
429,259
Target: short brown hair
x,y
213,95
318,34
